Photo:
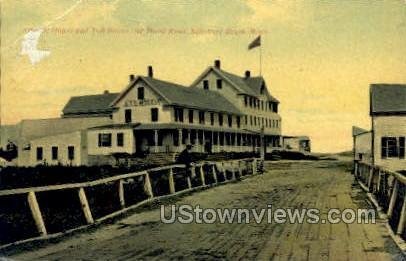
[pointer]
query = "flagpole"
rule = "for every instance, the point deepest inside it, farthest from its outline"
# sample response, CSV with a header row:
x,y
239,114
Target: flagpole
x,y
260,60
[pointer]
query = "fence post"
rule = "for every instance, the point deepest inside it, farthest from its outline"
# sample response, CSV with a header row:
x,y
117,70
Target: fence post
x,y
393,198
148,186
121,193
402,220
214,173
240,168
36,213
370,179
171,182
202,175
85,206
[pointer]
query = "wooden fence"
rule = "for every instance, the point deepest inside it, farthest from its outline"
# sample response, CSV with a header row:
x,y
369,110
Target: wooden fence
x,y
54,209
389,189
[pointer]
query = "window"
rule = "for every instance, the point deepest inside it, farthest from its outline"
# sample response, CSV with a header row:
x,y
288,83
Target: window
x,y
270,106
40,153
263,121
140,93
245,101
54,153
262,105
250,101
104,139
71,152
211,118
246,120
154,114
190,116
219,84
238,121
255,120
220,119
178,114
262,88
230,121
275,107
120,139
389,147
127,115
251,120
206,84
201,117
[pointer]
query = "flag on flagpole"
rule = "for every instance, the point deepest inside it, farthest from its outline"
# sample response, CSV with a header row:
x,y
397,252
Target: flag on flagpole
x,y
255,43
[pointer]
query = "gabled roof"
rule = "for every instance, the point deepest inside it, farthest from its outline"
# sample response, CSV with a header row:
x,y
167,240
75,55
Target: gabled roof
x,y
178,95
249,86
388,99
89,104
357,131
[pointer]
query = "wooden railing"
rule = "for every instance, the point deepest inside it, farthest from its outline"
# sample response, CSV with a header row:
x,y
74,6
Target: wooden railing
x,y
112,196
389,189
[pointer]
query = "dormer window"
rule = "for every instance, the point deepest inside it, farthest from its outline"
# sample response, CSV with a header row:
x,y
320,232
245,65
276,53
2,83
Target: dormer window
x,y
219,84
206,84
140,93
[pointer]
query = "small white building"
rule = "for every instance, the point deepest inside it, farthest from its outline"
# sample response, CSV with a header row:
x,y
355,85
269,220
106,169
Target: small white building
x,y
362,140
297,143
388,115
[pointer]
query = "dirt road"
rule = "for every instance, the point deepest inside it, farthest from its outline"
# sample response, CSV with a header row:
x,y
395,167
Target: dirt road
x,y
323,185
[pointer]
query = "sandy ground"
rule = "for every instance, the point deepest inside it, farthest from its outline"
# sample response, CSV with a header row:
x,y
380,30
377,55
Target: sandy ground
x,y
322,184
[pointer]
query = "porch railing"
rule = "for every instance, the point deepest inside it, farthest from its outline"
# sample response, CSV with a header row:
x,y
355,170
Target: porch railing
x,y
389,189
43,212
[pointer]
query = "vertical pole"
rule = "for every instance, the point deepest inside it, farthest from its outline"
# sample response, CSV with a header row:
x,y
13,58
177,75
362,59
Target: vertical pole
x,y
202,175
188,137
240,168
224,171
254,166
171,182
218,141
260,59
121,193
180,138
401,225
85,206
189,182
371,178
393,198
232,170
203,141
36,213
148,186
214,173
156,141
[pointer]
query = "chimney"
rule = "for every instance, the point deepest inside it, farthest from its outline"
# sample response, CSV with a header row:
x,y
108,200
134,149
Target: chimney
x,y
247,74
150,72
132,77
217,64
106,92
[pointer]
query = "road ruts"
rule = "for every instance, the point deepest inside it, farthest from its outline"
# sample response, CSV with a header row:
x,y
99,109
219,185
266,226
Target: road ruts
x,y
319,184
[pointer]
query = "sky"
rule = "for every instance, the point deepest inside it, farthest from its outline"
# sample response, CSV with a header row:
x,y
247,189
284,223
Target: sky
x,y
318,57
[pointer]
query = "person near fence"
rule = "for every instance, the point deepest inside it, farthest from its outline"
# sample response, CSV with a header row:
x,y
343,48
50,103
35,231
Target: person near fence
x,y
185,158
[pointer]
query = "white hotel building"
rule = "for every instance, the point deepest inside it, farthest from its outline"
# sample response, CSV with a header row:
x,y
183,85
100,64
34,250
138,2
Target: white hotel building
x,y
220,112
